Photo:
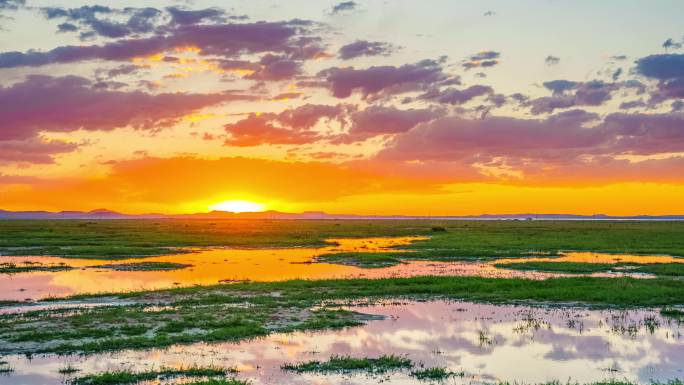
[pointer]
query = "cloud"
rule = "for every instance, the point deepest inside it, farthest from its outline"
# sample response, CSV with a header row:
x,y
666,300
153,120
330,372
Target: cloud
x,y
377,120
471,141
292,126
389,79
187,16
591,93
560,86
456,96
308,115
668,69
33,150
662,66
274,67
229,40
551,60
61,104
632,104
645,134
671,44
544,149
11,4
344,6
483,59
96,20
256,130
364,48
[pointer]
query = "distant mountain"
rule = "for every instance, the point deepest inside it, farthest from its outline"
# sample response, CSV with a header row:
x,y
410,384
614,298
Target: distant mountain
x,y
108,214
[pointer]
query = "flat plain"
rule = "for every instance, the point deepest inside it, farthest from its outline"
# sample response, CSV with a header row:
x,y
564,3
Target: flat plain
x,y
584,284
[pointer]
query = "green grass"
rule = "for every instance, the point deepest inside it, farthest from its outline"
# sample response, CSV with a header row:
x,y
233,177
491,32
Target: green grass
x,y
459,240
119,239
126,377
219,382
66,370
558,267
672,313
381,364
435,374
242,311
661,269
145,266
14,268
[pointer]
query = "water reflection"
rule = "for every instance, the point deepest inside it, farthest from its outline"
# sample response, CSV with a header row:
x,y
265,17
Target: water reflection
x,y
489,342
217,265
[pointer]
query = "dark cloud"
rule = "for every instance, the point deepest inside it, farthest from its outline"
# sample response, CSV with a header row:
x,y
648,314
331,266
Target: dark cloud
x,y
97,20
274,67
632,104
11,4
187,16
225,39
364,48
560,86
125,69
343,81
552,60
489,13
344,6
377,120
67,27
483,59
671,44
668,69
677,106
662,66
62,104
456,96
307,115
616,74
567,94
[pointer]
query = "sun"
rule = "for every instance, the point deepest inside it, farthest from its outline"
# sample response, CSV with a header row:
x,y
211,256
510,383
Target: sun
x,y
238,206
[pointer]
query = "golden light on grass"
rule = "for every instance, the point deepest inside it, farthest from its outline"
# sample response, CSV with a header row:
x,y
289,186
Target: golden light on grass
x,y
238,206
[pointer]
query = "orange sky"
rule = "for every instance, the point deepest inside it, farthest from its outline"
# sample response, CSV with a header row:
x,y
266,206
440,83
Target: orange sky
x,y
370,108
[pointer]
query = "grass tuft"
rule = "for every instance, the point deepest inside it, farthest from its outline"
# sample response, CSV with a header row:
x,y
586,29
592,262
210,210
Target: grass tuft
x,y
381,364
125,377
435,374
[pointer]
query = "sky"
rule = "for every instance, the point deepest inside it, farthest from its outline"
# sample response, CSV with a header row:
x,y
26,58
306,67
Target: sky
x,y
437,107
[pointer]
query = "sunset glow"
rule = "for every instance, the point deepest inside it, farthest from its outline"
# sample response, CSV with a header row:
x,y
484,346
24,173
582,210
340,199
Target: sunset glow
x,y
238,206
370,107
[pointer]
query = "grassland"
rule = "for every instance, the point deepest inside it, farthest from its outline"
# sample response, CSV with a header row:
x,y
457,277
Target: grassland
x,y
241,311
144,266
381,364
248,310
126,377
15,268
115,239
660,269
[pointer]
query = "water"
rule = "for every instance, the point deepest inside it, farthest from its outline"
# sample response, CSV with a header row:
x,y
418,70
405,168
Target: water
x,y
488,342
224,265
